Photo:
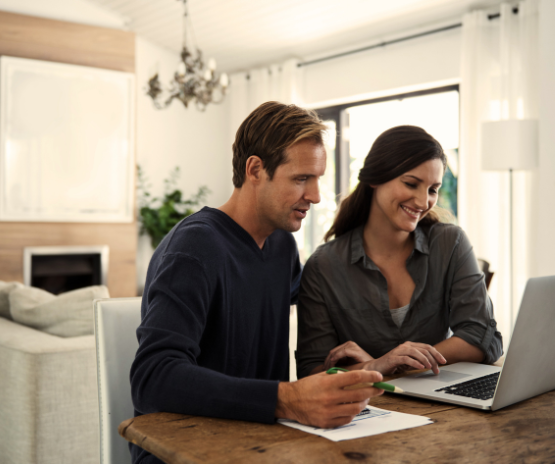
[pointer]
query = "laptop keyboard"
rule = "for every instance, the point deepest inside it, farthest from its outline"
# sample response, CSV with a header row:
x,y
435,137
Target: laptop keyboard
x,y
481,388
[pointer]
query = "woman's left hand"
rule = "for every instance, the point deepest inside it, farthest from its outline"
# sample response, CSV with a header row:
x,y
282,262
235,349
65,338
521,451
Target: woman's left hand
x,y
348,353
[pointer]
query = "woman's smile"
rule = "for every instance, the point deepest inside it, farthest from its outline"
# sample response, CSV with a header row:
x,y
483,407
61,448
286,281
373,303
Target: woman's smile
x,y
413,213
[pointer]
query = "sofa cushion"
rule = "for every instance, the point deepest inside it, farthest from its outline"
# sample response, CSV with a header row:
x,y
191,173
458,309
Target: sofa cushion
x,y
66,315
5,290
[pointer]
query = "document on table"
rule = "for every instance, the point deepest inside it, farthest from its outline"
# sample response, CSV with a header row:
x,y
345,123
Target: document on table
x,y
370,421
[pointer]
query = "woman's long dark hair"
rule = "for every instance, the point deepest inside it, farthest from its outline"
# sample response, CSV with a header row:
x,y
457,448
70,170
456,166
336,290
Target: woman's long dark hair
x,y
396,151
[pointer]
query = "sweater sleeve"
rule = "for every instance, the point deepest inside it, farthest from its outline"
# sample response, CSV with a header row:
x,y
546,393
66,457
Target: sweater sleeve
x,y
165,375
471,311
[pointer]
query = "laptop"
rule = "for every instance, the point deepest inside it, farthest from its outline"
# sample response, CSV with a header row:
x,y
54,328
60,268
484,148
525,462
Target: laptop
x,y
527,371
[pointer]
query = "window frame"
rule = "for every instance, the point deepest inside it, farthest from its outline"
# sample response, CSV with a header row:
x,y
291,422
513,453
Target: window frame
x,y
338,114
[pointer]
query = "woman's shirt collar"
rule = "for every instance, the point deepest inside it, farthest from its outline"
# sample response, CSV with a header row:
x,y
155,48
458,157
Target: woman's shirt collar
x,y
357,245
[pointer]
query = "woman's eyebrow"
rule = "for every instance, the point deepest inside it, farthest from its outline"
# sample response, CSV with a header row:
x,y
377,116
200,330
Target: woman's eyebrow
x,y
420,180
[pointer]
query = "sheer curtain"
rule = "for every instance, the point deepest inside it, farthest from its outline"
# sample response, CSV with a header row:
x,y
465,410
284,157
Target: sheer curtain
x,y
279,82
499,69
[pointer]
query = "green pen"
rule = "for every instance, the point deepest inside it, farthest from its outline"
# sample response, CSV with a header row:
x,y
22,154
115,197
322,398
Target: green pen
x,y
384,386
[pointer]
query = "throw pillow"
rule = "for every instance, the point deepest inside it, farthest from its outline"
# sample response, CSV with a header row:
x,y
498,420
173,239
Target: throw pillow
x,y
66,315
5,290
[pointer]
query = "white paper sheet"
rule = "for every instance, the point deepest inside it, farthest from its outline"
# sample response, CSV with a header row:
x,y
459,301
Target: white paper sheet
x,y
370,421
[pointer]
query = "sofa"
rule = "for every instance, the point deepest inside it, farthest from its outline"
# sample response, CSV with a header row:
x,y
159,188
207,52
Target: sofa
x,y
48,389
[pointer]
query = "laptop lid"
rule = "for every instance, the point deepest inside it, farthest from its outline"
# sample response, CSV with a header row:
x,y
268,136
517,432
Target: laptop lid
x,y
528,369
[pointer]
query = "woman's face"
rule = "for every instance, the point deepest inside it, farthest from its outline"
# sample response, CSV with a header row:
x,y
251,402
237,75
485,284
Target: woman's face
x,y
404,201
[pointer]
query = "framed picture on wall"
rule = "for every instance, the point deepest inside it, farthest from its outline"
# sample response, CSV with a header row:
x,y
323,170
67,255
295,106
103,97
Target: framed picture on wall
x,y
66,142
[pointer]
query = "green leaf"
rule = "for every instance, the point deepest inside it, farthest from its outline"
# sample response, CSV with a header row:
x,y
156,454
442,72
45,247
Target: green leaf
x,y
159,216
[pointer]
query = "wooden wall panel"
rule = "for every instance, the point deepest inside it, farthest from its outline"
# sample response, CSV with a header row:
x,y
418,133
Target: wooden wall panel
x,y
45,39
121,238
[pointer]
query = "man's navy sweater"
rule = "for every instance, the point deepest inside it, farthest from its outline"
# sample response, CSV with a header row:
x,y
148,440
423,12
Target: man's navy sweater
x,y
213,340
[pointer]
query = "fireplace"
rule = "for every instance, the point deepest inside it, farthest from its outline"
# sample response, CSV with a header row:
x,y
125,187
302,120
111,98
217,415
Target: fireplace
x,y
64,268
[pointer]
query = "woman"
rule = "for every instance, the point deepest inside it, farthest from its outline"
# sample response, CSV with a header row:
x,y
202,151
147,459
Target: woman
x,y
385,294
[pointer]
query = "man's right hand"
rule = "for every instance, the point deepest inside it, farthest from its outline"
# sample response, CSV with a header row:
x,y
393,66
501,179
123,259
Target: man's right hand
x,y
319,400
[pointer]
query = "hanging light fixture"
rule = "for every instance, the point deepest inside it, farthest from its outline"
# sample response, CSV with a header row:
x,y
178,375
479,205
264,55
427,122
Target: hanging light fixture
x,y
193,81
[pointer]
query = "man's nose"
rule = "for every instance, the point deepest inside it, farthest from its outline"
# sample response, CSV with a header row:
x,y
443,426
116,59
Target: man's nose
x,y
312,193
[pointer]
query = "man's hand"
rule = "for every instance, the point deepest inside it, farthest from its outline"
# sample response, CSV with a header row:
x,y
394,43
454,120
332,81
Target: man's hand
x,y
347,354
409,355
319,400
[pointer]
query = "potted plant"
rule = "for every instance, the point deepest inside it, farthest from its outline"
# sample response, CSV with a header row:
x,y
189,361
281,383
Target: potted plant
x,y
159,215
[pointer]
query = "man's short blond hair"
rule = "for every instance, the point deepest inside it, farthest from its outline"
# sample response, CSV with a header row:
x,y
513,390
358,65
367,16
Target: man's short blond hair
x,y
268,132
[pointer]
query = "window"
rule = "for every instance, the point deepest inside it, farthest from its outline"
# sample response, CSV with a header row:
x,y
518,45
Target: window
x,y
352,130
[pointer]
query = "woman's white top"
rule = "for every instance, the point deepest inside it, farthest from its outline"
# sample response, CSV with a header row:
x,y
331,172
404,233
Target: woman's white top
x,y
399,314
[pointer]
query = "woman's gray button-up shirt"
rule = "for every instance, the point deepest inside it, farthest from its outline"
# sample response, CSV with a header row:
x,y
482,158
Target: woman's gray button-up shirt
x,y
343,297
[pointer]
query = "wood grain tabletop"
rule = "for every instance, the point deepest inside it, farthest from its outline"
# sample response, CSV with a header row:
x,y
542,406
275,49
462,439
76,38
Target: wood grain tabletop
x,y
524,432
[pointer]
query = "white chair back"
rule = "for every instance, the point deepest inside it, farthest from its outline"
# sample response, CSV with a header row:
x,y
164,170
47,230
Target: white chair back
x,y
115,323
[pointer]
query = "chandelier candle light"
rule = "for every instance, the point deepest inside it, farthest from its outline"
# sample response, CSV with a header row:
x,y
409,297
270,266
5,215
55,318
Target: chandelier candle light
x,y
192,80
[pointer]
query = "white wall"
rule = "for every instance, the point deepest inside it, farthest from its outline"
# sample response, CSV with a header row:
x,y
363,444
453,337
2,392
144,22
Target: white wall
x,y
197,142
545,245
416,63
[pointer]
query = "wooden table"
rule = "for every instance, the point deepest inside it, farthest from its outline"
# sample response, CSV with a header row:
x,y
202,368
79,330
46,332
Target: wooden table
x,y
523,433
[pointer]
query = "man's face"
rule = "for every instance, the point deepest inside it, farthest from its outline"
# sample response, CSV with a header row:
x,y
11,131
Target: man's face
x,y
284,201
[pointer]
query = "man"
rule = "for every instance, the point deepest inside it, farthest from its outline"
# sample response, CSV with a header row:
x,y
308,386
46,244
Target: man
x,y
213,339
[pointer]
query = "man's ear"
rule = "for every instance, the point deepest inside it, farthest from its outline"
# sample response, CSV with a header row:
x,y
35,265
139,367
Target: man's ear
x,y
253,169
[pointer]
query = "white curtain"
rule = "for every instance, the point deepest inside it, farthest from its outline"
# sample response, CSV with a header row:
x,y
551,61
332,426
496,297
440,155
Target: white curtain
x,y
498,81
278,82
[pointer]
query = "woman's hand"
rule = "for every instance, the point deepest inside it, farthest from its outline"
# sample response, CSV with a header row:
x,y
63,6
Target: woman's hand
x,y
346,354
409,355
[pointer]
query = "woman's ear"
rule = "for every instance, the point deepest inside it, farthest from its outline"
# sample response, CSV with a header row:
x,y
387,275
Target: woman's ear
x,y
253,169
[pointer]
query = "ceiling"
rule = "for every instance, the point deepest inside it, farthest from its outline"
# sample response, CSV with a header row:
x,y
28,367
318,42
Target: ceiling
x,y
241,34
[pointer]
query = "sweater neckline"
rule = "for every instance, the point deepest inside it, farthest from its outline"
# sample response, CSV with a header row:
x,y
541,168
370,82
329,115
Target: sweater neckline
x,y
247,238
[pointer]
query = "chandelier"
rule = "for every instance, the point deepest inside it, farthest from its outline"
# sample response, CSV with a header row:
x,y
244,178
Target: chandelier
x,y
193,81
